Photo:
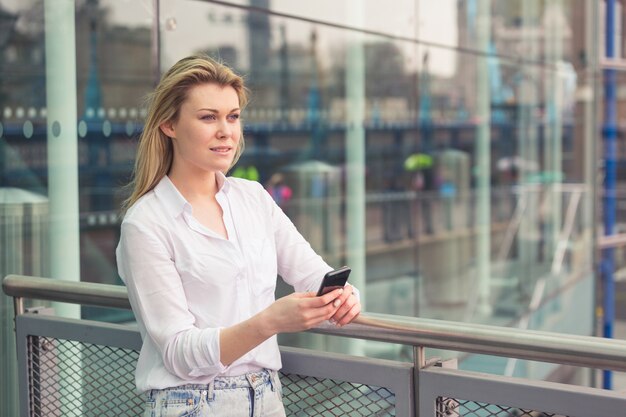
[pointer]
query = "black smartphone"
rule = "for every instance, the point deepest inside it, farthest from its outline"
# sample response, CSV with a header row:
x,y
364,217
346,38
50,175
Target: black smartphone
x,y
334,279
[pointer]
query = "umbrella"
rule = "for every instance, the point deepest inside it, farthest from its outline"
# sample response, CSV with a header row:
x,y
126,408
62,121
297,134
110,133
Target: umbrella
x,y
418,161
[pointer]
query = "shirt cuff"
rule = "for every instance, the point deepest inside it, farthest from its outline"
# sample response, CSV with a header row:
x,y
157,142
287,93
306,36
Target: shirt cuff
x,y
212,349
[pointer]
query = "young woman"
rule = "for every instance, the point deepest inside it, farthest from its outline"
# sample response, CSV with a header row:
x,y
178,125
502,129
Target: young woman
x,y
200,252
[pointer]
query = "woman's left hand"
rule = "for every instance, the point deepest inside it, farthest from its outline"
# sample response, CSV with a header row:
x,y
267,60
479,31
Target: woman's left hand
x,y
349,309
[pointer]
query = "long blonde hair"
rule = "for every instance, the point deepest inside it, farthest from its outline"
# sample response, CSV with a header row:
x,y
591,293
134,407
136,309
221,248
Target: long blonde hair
x,y
155,151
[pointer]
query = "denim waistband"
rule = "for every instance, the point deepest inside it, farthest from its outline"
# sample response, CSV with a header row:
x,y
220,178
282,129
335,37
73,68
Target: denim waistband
x,y
249,380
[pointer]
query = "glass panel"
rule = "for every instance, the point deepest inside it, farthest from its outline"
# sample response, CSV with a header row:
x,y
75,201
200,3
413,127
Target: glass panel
x,y
23,200
475,178
534,267
114,73
69,106
97,114
452,169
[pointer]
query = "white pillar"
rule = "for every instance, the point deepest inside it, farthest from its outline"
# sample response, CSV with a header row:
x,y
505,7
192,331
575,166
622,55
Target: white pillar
x,y
483,157
64,231
528,94
355,155
553,134
62,145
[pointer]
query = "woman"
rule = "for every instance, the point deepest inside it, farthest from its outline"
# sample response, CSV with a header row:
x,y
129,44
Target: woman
x,y
200,252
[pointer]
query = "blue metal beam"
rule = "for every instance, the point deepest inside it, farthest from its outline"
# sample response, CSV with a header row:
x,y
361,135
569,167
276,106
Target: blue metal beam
x,y
609,132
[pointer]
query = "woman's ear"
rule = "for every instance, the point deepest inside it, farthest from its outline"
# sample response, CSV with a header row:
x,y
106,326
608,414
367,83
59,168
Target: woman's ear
x,y
168,129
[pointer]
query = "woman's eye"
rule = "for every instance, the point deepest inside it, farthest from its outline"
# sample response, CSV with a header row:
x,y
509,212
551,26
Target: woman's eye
x,y
208,117
234,116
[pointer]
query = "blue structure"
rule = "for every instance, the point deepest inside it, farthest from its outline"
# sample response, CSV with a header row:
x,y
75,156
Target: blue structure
x,y
609,133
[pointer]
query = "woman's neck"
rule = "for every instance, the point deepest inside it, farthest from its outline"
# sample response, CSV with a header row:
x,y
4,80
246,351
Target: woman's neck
x,y
195,187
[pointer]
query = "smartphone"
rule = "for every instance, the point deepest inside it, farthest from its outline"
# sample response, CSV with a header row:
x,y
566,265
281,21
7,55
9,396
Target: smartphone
x,y
334,279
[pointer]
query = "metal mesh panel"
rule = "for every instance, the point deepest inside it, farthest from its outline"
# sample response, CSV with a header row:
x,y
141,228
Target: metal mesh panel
x,y
309,396
69,378
454,407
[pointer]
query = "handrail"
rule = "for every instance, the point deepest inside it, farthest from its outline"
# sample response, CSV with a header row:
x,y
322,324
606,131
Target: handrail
x,y
87,293
586,351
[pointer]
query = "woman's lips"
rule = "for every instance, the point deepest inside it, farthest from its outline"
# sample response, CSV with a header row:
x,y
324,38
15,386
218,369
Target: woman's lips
x,y
221,149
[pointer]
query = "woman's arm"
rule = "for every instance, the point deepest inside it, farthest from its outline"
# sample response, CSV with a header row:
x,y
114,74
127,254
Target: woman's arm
x,y
293,313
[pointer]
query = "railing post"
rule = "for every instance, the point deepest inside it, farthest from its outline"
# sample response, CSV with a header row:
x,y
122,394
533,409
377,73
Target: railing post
x,y
18,309
419,361
18,306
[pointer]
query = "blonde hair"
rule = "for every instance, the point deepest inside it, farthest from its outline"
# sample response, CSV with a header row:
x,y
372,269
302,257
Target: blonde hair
x,y
155,151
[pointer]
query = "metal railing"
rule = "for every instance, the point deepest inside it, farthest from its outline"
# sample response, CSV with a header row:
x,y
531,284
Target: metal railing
x,y
586,351
445,391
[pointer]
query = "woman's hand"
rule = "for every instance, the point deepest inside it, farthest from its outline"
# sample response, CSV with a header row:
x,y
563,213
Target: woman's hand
x,y
301,311
349,309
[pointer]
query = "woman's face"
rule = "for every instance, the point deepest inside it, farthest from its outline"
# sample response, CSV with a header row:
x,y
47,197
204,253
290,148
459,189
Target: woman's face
x,y
206,135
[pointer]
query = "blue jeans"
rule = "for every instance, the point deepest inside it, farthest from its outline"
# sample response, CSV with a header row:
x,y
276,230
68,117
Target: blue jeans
x,y
254,394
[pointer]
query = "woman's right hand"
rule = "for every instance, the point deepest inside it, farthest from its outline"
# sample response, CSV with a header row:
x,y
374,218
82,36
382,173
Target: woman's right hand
x,y
301,311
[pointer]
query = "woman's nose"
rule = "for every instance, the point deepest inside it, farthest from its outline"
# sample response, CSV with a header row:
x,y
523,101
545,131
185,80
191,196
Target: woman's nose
x,y
224,130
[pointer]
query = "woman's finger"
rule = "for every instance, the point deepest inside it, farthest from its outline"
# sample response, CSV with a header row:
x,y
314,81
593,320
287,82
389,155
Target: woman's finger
x,y
346,308
350,315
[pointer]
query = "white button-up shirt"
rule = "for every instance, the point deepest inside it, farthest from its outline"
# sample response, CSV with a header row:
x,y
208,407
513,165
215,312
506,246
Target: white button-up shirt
x,y
186,282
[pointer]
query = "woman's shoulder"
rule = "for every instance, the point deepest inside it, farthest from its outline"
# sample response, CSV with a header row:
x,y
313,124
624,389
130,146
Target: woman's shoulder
x,y
142,211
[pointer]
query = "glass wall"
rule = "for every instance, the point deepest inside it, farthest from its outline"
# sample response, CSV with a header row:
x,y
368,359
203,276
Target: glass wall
x,y
444,150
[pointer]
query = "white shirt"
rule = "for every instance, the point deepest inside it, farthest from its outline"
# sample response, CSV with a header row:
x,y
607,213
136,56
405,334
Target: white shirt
x,y
185,282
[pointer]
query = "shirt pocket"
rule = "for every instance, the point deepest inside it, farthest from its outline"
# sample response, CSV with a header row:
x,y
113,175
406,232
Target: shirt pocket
x,y
262,265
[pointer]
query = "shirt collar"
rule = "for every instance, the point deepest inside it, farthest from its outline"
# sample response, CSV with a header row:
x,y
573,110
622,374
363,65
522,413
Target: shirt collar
x,y
171,198
223,185
174,201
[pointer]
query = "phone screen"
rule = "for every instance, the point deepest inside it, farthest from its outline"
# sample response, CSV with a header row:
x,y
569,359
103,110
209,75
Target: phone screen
x,y
334,279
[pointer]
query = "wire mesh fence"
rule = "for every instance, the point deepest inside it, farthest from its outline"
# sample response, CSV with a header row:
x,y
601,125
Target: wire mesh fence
x,y
309,396
454,407
68,378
